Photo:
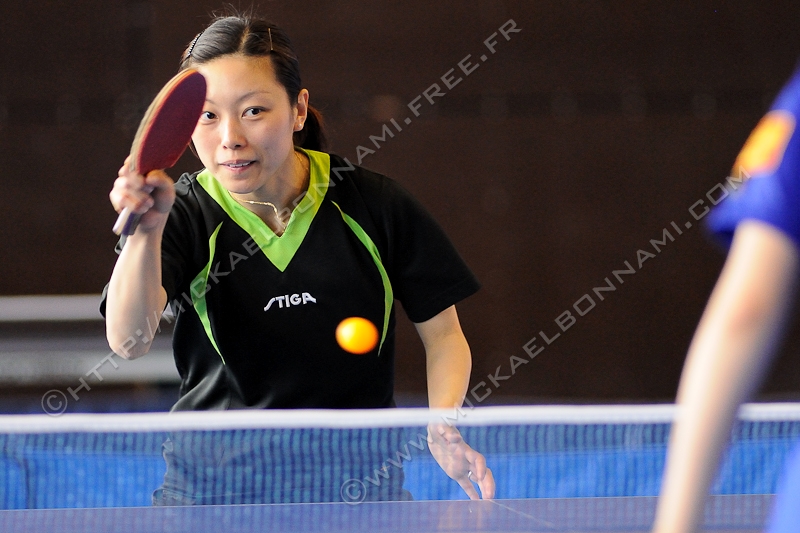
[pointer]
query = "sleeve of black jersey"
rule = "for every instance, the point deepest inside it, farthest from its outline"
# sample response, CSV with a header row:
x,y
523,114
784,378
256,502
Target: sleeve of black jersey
x,y
428,275
104,296
178,239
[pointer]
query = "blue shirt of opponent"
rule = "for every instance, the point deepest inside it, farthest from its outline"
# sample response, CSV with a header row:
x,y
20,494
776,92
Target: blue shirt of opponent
x,y
772,193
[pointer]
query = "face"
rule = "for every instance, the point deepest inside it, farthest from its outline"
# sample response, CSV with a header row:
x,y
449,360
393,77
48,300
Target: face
x,y
244,136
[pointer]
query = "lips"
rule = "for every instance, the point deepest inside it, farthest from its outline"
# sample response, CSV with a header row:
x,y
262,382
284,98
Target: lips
x,y
236,165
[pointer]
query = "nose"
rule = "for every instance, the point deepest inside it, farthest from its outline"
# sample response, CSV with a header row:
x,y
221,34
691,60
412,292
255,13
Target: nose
x,y
232,135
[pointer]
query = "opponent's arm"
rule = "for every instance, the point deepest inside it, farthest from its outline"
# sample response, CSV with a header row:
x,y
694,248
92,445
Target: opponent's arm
x,y
449,363
136,298
729,354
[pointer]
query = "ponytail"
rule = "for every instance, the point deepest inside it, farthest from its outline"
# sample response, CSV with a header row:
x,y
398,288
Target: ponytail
x,y
312,136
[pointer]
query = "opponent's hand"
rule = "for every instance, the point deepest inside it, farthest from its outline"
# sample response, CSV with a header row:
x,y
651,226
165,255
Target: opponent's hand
x,y
150,196
463,464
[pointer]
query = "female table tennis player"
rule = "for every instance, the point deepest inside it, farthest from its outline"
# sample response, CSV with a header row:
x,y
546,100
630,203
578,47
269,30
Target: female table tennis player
x,y
270,246
745,317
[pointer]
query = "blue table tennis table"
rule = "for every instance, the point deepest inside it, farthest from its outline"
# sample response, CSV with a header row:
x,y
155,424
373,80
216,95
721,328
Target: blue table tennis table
x,y
730,513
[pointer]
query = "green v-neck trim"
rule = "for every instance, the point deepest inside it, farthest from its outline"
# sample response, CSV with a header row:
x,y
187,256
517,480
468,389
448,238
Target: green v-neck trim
x,y
279,250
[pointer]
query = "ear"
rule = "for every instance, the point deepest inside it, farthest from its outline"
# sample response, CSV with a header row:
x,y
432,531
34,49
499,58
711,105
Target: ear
x,y
302,110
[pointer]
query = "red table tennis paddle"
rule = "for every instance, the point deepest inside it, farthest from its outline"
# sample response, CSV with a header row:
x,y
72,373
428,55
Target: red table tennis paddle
x,y
165,132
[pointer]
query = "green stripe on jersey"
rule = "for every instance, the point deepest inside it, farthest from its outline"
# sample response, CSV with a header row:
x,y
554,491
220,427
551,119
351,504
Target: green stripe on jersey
x,y
199,300
279,250
388,294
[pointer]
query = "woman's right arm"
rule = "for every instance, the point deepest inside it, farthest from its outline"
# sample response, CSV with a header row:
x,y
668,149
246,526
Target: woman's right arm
x,y
136,298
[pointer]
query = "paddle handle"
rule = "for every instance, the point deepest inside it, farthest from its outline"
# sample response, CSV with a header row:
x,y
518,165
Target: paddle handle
x,y
126,222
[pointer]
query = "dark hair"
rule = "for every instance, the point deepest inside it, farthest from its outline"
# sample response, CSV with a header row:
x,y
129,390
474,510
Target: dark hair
x,y
255,37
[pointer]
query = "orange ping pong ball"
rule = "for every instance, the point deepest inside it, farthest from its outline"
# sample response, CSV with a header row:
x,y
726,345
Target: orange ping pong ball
x,y
356,335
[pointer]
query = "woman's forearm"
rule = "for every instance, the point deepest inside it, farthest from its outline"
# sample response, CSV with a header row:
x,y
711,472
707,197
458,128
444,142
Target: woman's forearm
x,y
135,298
448,357
448,370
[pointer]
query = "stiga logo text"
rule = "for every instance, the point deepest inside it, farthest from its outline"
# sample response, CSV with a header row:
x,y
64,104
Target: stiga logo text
x,y
290,300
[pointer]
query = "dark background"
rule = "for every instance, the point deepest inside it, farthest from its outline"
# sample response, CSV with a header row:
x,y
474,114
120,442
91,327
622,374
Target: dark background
x,y
581,139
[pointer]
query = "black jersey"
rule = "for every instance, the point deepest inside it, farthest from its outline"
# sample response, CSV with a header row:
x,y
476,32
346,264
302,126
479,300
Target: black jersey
x,y
256,313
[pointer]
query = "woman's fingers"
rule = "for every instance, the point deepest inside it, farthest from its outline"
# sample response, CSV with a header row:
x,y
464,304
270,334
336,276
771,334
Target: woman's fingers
x,y
487,485
127,193
151,196
462,463
162,189
477,464
469,488
480,473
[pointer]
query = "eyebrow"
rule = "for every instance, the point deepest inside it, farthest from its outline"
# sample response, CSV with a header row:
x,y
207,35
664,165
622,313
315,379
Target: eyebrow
x,y
244,96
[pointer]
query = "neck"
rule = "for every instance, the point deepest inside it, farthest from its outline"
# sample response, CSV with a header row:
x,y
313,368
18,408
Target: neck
x,y
288,184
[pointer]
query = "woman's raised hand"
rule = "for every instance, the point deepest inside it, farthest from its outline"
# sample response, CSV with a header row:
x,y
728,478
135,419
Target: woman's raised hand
x,y
150,196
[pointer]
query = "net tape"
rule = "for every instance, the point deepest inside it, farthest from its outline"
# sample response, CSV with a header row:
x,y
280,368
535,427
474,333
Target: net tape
x,y
374,418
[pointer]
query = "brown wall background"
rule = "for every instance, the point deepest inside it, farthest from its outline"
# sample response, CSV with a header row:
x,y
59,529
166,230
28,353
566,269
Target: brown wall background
x,y
581,139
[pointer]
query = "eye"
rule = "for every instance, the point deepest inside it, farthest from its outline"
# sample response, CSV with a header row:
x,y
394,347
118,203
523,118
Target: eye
x,y
253,111
207,115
